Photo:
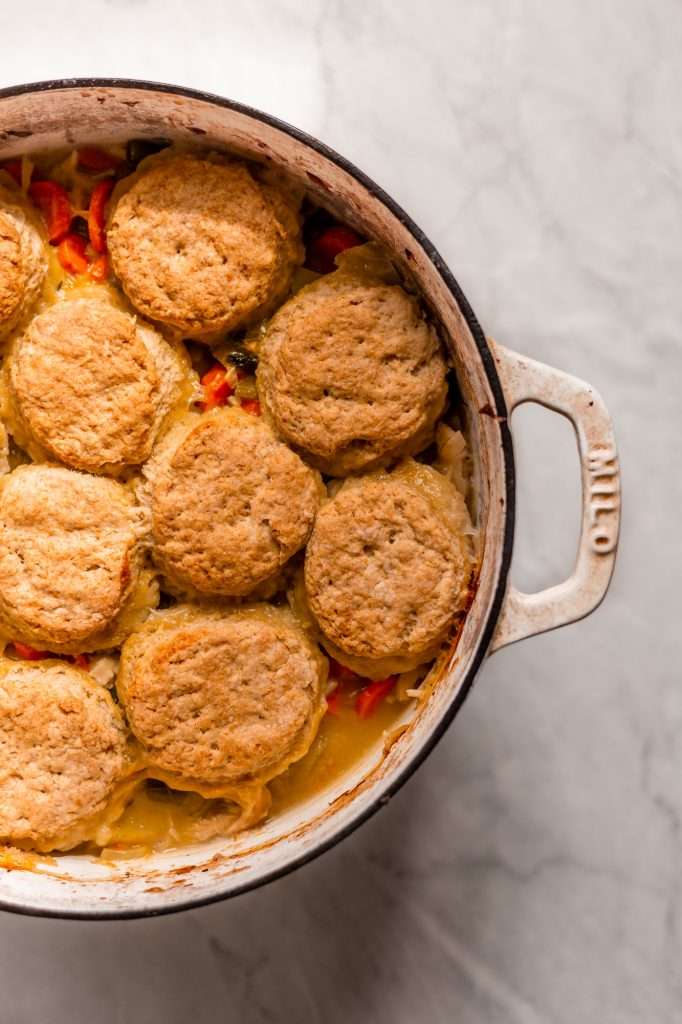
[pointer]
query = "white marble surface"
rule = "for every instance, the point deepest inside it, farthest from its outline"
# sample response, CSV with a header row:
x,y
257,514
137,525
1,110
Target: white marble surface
x,y
531,871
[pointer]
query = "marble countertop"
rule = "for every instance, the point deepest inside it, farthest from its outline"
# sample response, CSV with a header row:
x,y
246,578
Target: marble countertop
x,y
531,870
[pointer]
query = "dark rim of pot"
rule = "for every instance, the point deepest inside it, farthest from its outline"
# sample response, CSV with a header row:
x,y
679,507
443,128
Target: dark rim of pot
x,y
362,815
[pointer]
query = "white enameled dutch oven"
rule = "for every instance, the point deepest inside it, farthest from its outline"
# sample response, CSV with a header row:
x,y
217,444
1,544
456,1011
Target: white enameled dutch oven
x,y
493,381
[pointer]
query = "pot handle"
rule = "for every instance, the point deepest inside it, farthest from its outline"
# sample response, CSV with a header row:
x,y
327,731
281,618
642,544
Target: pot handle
x,y
524,615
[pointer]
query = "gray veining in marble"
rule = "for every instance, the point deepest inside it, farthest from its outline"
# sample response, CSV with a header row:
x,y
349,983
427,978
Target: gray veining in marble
x,y
531,871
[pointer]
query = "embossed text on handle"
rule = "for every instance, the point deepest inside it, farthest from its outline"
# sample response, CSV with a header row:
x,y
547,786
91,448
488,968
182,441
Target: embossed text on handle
x,y
604,497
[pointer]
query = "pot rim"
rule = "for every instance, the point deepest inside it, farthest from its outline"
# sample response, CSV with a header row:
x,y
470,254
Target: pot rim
x,y
501,418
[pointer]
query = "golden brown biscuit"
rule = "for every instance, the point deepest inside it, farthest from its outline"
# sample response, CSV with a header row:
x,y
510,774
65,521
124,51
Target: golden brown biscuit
x,y
62,750
230,503
222,696
90,386
351,374
387,567
23,260
70,566
200,244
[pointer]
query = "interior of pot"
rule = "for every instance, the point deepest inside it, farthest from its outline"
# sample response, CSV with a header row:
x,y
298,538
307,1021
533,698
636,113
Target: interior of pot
x,y
75,114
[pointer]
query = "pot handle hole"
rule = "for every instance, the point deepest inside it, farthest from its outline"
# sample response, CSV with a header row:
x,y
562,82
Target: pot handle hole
x,y
524,615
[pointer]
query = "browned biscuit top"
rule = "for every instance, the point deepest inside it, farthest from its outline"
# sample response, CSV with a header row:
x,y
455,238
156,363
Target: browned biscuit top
x,y
385,571
200,245
90,385
23,263
62,744
11,270
351,374
225,696
67,553
230,503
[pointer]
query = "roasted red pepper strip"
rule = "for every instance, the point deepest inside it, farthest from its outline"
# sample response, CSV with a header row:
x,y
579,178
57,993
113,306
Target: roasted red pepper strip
x,y
324,249
53,202
96,218
71,253
369,699
99,268
96,160
252,406
217,387
13,167
29,653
